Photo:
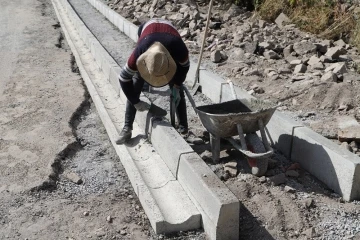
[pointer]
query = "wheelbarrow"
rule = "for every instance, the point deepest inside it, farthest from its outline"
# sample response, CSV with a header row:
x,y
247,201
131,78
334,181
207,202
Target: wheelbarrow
x,y
235,118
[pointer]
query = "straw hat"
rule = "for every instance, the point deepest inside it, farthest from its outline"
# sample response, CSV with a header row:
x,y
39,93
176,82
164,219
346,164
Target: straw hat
x,y
156,65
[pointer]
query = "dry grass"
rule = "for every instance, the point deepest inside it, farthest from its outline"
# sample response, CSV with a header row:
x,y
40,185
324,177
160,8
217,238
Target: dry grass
x,y
270,9
315,16
314,19
355,36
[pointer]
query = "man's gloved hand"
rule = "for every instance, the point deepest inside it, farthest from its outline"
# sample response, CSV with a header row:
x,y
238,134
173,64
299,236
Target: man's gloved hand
x,y
142,106
175,94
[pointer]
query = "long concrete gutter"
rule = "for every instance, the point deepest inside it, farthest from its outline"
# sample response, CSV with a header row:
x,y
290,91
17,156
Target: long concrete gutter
x,y
164,178
327,161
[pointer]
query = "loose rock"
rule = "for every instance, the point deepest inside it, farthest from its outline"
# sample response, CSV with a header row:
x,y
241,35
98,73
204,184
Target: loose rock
x,y
74,178
335,52
271,55
292,173
289,189
278,179
303,48
216,56
281,20
301,68
329,77
231,168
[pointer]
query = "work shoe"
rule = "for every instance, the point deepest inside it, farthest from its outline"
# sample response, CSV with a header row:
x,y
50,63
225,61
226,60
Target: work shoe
x,y
125,135
182,129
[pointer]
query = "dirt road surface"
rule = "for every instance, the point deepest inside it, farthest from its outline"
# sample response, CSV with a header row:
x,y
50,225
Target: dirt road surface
x,y
48,129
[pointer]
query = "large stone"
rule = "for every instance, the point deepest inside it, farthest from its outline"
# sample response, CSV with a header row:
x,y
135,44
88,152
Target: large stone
x,y
318,66
267,45
340,43
281,20
345,58
335,52
215,56
325,59
301,68
340,68
303,48
321,47
348,134
313,60
278,179
329,77
192,25
250,47
185,33
288,50
295,62
271,55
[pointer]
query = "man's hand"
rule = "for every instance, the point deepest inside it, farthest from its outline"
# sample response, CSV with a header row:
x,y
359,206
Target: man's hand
x,y
175,94
142,106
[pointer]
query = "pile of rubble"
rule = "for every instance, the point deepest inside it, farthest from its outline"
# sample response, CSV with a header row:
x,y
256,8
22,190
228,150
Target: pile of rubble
x,y
274,61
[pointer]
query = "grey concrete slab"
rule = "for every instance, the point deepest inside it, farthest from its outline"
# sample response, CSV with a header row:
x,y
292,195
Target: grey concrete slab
x,y
126,30
338,168
119,22
216,200
114,78
280,129
169,144
133,32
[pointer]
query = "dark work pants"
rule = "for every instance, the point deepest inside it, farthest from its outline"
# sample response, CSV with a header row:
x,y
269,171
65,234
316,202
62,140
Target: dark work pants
x,y
130,111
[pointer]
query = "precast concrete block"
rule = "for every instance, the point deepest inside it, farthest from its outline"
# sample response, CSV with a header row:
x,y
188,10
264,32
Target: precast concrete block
x,y
280,130
227,95
133,32
119,22
154,171
114,78
98,52
127,27
111,15
107,63
210,85
151,209
169,144
335,166
211,194
177,208
103,8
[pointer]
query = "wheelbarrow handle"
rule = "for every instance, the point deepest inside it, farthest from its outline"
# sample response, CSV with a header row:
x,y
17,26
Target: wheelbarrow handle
x,y
190,98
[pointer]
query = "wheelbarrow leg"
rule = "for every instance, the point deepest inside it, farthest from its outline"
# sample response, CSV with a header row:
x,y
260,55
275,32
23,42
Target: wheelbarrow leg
x,y
263,135
215,148
242,137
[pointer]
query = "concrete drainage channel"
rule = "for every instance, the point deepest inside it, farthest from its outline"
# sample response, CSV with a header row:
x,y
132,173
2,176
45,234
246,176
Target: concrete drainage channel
x,y
177,190
218,207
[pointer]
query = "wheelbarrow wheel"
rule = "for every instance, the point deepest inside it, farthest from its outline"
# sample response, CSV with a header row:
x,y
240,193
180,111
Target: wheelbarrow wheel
x,y
255,145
